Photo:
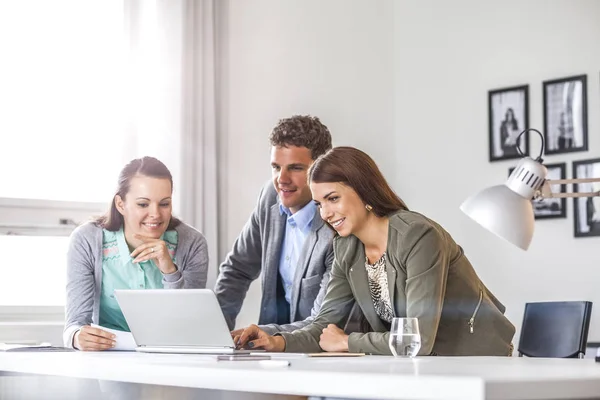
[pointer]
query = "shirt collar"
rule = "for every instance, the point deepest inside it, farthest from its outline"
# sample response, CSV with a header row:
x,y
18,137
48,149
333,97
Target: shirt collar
x,y
124,253
303,217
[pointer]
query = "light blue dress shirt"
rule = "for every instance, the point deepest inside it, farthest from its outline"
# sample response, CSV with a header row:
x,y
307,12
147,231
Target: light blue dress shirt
x,y
297,229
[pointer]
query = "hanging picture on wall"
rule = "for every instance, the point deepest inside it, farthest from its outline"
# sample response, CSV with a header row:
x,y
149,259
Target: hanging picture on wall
x,y
587,209
552,207
508,114
565,115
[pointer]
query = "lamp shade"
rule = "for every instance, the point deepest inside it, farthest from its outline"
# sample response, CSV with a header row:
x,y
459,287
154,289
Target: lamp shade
x,y
506,210
504,213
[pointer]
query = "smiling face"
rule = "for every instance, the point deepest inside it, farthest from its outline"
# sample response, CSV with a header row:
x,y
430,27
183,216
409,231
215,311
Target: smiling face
x,y
146,208
289,166
340,207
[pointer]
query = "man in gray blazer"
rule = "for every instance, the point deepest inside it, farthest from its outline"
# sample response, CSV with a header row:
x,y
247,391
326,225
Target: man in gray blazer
x,y
285,237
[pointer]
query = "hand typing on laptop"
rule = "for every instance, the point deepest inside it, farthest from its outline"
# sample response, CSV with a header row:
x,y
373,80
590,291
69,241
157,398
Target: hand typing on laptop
x,y
93,339
255,338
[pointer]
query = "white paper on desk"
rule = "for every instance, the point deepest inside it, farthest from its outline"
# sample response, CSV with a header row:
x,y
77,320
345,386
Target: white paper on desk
x,y
280,356
125,341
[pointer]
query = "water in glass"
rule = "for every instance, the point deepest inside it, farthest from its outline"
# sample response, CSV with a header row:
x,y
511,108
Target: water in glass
x,y
405,345
405,338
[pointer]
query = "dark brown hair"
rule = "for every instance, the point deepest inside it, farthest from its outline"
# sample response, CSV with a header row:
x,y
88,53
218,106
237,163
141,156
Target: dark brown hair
x,y
302,131
146,166
357,170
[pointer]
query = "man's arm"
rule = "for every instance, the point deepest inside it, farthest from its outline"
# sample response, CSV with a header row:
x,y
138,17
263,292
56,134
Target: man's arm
x,y
241,266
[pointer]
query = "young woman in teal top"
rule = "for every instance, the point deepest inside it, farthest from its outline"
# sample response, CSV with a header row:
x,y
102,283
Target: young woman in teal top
x,y
138,244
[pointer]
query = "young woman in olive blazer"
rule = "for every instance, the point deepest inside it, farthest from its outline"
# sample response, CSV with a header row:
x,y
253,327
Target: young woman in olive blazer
x,y
427,275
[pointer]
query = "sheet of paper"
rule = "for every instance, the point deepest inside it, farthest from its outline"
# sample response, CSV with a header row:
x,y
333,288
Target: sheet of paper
x,y
301,355
125,341
335,354
281,355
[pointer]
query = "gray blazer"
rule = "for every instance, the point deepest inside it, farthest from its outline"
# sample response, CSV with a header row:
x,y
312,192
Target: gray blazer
x,y
257,249
84,272
430,278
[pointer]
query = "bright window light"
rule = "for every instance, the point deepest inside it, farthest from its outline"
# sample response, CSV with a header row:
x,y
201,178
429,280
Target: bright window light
x,y
62,128
33,270
61,81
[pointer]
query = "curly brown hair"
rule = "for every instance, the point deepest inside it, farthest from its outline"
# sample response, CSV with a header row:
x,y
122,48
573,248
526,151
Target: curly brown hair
x,y
302,131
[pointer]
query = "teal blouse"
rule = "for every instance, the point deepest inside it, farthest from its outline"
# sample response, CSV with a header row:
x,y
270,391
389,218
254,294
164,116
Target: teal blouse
x,y
119,272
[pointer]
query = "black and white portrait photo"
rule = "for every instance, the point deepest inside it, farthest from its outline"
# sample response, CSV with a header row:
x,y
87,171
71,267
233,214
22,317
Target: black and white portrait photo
x,y
587,209
508,111
565,115
551,207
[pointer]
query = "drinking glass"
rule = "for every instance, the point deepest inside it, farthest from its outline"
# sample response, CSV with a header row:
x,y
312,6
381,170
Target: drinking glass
x,y
405,339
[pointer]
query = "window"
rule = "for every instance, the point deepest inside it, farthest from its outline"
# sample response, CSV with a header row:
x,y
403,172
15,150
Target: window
x,y
33,270
63,142
61,99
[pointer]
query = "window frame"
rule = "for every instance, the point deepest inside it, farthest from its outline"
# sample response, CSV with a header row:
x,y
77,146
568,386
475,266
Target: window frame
x,y
37,217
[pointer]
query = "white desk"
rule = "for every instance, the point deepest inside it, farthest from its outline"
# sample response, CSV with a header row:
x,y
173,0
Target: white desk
x,y
373,377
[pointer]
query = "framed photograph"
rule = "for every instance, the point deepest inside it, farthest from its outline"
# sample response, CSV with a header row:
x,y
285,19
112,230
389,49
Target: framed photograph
x,y
551,208
508,111
587,209
565,115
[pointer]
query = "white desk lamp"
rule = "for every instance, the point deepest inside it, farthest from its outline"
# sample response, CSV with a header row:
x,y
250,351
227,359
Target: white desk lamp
x,y
506,210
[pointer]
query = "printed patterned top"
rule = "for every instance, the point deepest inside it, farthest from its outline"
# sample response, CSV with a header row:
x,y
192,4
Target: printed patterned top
x,y
378,285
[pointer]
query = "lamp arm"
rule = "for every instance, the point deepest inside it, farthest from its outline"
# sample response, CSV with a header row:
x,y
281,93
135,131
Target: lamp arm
x,y
545,191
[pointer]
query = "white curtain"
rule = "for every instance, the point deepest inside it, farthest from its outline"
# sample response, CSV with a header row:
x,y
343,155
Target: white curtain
x,y
171,112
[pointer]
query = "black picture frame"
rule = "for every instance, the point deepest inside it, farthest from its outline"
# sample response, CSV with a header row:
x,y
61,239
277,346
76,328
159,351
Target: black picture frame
x,y
585,208
553,207
565,115
504,129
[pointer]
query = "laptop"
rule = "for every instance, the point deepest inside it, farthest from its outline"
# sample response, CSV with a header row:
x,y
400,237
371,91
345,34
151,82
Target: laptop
x,y
176,321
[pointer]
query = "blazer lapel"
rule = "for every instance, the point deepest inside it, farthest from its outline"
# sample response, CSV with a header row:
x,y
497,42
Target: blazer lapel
x,y
272,256
304,260
360,283
391,277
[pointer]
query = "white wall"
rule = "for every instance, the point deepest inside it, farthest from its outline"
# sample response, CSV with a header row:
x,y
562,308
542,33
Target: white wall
x,y
330,58
447,56
407,82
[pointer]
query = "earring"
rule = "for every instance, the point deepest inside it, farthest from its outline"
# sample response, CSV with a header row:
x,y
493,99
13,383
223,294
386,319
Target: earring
x,y
368,207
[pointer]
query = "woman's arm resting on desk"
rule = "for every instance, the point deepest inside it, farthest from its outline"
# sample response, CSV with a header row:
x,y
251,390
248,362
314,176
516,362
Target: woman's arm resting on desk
x,y
80,281
336,308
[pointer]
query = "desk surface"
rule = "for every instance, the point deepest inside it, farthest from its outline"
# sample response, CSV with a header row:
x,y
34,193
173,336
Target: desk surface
x,y
379,377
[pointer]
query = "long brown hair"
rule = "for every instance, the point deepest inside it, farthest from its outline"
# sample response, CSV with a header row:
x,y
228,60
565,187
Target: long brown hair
x,y
357,170
146,166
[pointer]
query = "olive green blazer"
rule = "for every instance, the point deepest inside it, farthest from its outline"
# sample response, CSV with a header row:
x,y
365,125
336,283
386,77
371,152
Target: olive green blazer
x,y
429,278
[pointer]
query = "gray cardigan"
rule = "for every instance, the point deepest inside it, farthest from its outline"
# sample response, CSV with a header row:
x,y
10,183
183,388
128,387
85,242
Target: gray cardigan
x,y
84,272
